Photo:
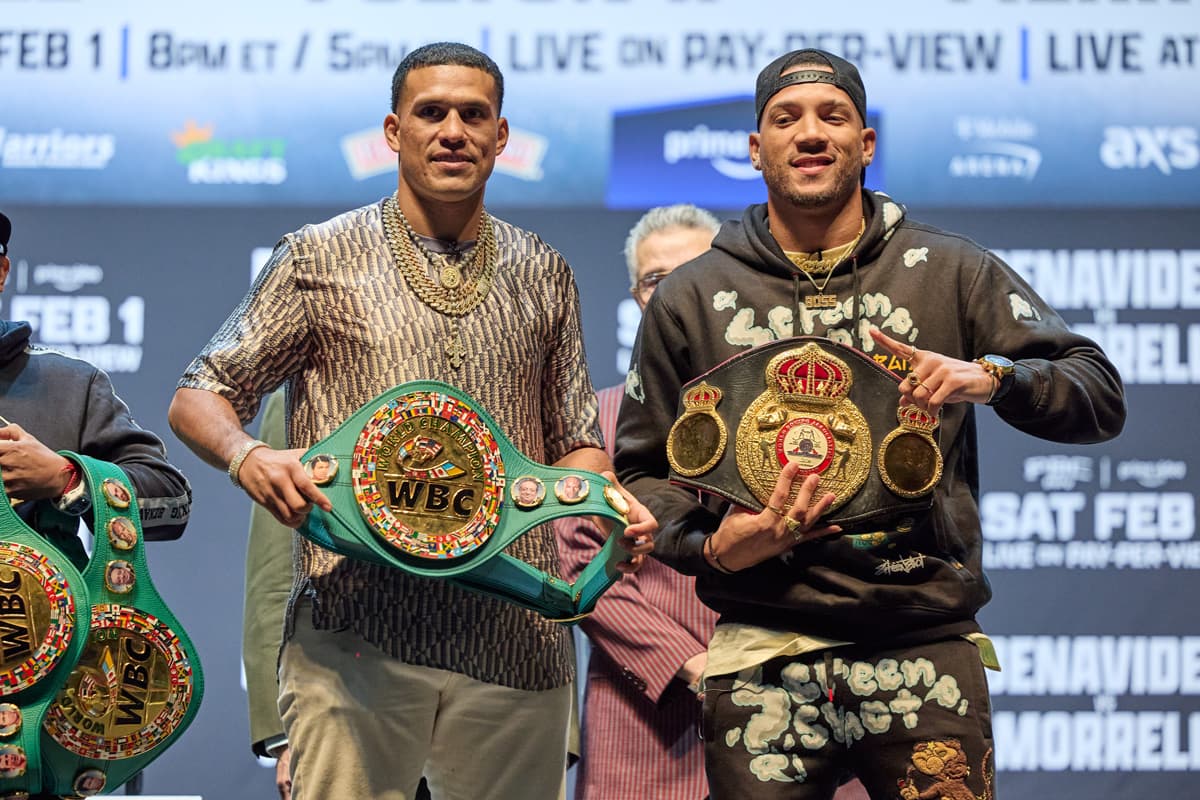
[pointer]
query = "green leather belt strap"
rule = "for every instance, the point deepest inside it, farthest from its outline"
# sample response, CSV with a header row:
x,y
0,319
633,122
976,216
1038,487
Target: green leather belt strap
x,y
422,479
44,609
134,683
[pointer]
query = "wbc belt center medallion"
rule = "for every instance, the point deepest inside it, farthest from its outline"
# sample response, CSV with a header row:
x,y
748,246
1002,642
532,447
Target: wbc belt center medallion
x,y
428,476
805,416
130,690
37,617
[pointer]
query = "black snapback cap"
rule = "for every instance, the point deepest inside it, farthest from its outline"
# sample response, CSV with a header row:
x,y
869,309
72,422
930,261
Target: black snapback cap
x,y
844,76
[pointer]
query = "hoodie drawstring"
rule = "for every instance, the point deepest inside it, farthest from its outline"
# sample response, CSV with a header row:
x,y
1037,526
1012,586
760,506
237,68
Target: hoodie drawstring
x,y
854,299
796,289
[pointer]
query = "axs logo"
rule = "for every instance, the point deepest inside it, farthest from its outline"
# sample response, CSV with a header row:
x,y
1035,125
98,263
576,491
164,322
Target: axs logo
x,y
1137,147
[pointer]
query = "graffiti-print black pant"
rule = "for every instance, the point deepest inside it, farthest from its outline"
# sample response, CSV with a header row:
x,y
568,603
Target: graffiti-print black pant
x,y
910,723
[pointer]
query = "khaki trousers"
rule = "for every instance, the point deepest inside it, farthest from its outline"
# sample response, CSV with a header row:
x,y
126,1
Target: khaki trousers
x,y
362,724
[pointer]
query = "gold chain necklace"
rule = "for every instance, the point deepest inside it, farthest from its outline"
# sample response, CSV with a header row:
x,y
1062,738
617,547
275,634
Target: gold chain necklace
x,y
825,266
451,294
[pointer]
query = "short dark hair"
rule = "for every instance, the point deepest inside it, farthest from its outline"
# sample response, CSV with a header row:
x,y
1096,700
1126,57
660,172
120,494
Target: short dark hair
x,y
5,233
446,54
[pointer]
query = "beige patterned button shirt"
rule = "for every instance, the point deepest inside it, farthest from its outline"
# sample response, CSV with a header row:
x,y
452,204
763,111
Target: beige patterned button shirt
x,y
332,316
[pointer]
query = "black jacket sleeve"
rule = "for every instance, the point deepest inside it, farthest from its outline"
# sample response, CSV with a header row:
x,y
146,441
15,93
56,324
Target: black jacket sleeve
x,y
110,433
1065,389
647,413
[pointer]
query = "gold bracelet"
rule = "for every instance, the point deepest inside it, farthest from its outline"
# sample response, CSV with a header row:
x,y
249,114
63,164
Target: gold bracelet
x,y
235,465
716,562
995,387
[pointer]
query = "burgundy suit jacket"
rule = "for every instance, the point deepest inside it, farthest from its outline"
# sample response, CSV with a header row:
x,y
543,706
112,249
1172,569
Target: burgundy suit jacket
x,y
640,722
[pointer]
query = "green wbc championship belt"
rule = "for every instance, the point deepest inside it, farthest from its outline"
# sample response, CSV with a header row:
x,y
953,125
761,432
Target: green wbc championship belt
x,y
825,405
422,479
44,604
137,683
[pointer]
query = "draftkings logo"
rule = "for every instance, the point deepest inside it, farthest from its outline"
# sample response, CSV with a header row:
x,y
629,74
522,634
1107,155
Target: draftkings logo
x,y
258,160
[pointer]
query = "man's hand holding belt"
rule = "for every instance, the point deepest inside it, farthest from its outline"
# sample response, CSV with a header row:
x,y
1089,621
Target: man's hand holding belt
x,y
638,537
276,480
745,538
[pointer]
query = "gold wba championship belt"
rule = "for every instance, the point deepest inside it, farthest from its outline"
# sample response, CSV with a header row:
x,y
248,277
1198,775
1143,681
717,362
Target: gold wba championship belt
x,y
422,479
827,406
97,677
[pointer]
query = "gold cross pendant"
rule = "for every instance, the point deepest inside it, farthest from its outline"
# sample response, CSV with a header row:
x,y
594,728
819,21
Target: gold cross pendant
x,y
455,351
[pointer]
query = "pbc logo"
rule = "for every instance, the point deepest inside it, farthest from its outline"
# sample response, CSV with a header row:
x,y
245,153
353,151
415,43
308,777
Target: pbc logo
x,y
1162,147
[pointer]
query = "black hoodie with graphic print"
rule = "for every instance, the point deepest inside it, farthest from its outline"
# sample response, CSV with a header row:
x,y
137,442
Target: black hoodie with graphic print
x,y
934,290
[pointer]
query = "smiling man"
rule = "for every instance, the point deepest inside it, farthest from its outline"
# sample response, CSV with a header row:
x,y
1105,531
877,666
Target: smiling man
x,y
385,675
846,655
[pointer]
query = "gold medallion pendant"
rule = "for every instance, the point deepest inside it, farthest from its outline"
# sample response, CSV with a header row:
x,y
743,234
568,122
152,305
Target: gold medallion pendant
x,y
805,415
129,691
456,292
450,276
428,477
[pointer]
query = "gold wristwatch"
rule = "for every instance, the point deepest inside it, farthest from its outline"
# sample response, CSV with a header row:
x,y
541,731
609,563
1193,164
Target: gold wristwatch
x,y
1001,369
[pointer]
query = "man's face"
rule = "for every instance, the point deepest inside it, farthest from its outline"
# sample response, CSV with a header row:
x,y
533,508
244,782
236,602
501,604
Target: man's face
x,y
320,471
661,252
527,492
571,487
447,132
812,146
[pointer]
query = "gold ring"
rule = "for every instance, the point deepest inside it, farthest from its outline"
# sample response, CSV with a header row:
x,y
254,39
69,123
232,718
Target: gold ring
x,y
795,527
914,379
912,352
778,511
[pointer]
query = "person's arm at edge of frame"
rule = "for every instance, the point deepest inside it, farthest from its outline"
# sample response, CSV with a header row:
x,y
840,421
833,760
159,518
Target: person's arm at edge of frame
x,y
566,378
268,584
110,433
207,423
640,446
630,629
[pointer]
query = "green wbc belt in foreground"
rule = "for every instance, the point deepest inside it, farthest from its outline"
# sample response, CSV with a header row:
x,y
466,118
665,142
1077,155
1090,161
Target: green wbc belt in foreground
x,y
422,479
97,677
